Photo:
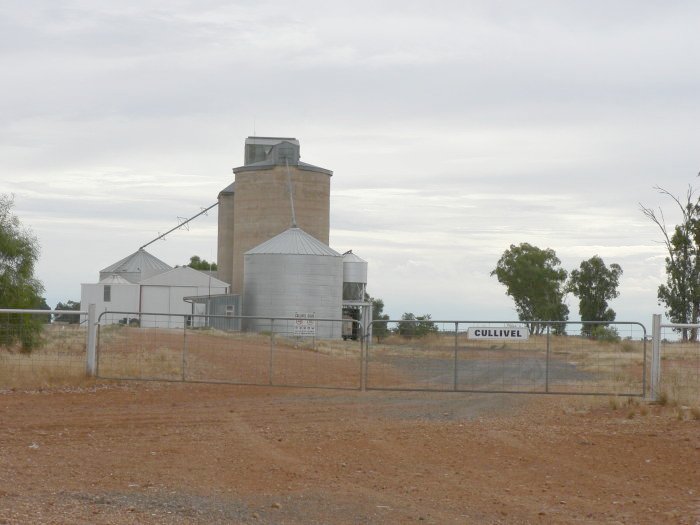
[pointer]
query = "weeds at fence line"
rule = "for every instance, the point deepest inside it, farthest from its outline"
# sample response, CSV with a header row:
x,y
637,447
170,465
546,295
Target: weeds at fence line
x,y
58,361
611,366
211,355
680,373
572,363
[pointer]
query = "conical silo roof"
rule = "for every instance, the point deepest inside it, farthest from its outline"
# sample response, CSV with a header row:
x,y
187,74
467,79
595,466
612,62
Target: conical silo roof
x,y
293,241
354,268
114,279
137,266
350,257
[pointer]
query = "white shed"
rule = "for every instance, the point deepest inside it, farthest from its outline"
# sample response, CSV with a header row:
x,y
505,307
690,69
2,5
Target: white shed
x,y
160,293
113,293
164,293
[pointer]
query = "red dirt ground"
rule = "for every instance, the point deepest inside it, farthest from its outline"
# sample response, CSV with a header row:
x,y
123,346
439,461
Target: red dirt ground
x,y
176,453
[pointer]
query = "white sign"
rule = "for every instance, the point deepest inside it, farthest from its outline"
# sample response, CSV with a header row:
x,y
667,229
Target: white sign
x,y
304,324
490,332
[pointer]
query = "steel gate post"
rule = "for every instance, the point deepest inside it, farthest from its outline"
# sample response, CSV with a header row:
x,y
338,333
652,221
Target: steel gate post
x,y
91,355
364,354
546,364
184,347
272,350
363,351
655,356
456,378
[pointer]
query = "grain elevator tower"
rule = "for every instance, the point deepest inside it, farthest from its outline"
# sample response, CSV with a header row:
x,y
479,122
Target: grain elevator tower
x,y
256,207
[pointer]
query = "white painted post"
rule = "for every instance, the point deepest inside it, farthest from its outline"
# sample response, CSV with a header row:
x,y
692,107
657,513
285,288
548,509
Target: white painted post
x,y
91,358
655,356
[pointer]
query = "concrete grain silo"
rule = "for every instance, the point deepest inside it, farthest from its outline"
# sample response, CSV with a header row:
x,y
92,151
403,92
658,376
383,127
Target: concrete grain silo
x,y
224,245
294,275
258,206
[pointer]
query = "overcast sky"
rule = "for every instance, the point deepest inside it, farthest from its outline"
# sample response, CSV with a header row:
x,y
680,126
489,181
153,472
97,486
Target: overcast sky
x,y
454,129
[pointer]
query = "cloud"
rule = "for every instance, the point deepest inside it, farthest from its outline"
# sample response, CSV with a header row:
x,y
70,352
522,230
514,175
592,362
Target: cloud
x,y
454,130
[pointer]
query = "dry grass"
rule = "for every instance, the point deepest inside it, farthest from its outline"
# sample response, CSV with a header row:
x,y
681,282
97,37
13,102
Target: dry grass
x,y
234,357
680,372
58,361
158,353
614,367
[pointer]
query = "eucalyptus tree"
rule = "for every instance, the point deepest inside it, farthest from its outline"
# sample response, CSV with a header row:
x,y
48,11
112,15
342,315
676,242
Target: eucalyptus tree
x,y
379,326
534,279
19,288
412,325
594,284
681,292
198,263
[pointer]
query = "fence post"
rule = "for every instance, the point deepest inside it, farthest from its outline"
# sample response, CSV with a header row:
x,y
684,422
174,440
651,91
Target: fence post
x,y
546,363
362,330
271,365
91,354
364,354
183,364
455,379
655,356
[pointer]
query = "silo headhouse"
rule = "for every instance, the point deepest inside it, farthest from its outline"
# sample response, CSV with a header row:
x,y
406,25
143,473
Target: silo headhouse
x,y
257,206
274,223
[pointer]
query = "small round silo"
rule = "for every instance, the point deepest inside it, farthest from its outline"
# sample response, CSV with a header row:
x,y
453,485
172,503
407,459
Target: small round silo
x,y
293,275
354,277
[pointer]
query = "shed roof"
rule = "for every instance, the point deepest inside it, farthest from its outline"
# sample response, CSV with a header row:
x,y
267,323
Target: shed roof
x,y
183,276
294,241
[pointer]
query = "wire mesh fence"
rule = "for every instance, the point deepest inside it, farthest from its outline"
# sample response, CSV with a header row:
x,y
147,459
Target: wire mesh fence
x,y
35,351
506,357
435,355
280,352
679,375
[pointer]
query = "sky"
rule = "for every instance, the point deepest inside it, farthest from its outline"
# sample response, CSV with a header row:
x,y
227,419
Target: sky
x,y
454,129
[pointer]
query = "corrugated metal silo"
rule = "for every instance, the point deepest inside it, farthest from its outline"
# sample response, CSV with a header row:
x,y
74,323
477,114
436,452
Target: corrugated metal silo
x,y
354,277
293,274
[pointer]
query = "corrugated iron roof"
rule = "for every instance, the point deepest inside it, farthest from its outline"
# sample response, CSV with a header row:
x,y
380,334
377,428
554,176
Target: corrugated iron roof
x,y
114,279
184,276
294,241
139,261
350,257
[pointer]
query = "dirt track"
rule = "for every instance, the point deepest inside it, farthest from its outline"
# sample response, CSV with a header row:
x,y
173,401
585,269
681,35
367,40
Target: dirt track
x,y
172,453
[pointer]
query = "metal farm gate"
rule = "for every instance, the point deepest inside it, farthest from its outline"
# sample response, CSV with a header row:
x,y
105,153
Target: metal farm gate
x,y
504,357
449,356
218,349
